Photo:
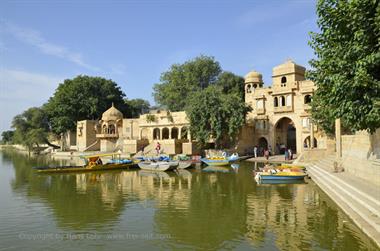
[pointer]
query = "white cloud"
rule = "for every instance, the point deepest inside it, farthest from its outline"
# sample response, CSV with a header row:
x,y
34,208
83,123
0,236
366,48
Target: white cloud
x,y
34,38
20,90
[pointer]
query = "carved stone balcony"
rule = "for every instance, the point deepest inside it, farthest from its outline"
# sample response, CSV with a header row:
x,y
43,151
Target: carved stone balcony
x,y
283,109
107,136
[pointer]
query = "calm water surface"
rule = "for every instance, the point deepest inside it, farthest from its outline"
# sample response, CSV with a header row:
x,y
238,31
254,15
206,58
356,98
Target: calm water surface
x,y
189,210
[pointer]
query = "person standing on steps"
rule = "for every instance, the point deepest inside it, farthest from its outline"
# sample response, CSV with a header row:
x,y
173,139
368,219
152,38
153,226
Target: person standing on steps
x,y
158,148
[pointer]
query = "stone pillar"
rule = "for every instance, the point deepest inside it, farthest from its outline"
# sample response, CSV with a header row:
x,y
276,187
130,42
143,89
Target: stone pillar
x,y
170,132
131,132
188,135
160,134
338,138
311,135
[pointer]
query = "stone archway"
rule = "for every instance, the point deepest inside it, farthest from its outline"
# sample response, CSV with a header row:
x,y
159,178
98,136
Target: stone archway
x,y
156,133
184,131
307,143
165,133
285,135
174,134
263,143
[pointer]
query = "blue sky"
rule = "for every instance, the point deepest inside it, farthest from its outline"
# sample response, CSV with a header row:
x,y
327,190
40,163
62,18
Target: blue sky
x,y
133,42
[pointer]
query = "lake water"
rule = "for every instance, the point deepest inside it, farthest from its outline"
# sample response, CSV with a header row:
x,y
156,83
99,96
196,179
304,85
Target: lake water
x,y
189,210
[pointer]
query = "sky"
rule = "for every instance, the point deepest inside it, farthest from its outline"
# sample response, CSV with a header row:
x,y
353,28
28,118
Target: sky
x,y
132,42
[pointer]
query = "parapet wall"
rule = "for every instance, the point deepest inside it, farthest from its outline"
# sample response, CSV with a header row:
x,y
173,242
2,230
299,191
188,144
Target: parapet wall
x,y
361,155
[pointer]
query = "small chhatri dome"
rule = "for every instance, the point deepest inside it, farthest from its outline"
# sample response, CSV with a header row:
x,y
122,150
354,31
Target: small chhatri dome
x,y
112,114
253,77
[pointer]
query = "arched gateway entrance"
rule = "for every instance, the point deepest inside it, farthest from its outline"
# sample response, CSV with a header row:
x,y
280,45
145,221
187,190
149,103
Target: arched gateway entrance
x,y
285,135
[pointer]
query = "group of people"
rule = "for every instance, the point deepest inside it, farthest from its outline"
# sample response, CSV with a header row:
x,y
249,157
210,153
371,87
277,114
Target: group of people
x,y
267,152
260,151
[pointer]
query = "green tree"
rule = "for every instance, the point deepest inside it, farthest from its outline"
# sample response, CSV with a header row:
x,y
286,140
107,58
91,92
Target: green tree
x,y
182,80
83,97
346,70
31,128
231,83
136,107
7,137
216,115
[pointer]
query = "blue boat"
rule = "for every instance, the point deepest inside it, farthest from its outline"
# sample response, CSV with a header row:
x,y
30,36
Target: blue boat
x,y
281,176
216,162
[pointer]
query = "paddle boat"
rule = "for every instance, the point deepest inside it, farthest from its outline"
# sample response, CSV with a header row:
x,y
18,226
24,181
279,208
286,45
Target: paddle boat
x,y
184,164
274,175
216,161
92,163
184,161
158,165
223,160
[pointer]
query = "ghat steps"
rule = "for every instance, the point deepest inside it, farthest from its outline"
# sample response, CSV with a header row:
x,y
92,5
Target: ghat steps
x,y
359,199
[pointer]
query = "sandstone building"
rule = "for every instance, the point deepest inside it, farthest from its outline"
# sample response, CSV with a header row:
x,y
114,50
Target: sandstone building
x,y
280,119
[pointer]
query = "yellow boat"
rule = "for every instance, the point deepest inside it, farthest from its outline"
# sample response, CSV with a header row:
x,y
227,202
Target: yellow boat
x,y
92,163
290,166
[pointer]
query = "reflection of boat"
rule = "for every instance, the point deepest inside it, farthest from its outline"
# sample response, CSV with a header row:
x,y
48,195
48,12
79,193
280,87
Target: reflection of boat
x,y
146,173
183,173
235,166
158,166
93,163
274,182
215,161
184,164
221,169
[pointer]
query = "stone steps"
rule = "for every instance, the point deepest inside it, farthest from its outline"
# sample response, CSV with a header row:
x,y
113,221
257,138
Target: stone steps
x,y
363,208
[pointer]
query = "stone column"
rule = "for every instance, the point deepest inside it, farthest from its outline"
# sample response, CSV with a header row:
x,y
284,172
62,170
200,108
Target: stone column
x,y
311,135
188,134
170,132
160,134
338,138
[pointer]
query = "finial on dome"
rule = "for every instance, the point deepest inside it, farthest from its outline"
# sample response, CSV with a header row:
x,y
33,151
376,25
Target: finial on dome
x,y
112,105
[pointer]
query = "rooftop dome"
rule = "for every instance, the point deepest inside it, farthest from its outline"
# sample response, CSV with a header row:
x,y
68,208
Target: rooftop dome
x,y
253,77
112,114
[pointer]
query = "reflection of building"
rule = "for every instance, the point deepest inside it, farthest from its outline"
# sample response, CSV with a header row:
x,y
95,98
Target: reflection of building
x,y
280,118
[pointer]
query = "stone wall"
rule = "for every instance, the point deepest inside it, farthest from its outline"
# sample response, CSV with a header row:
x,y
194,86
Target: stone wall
x,y
86,136
361,155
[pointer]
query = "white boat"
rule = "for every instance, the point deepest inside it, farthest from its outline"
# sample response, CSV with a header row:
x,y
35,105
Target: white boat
x,y
158,166
184,164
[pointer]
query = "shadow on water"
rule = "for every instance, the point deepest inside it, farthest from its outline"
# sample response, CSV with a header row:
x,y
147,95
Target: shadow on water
x,y
198,209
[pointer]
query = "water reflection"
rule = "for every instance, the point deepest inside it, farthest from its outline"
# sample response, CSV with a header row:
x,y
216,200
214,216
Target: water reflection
x,y
217,207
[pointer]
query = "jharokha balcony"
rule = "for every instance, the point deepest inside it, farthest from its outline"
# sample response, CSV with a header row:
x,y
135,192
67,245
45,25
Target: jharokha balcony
x,y
107,135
